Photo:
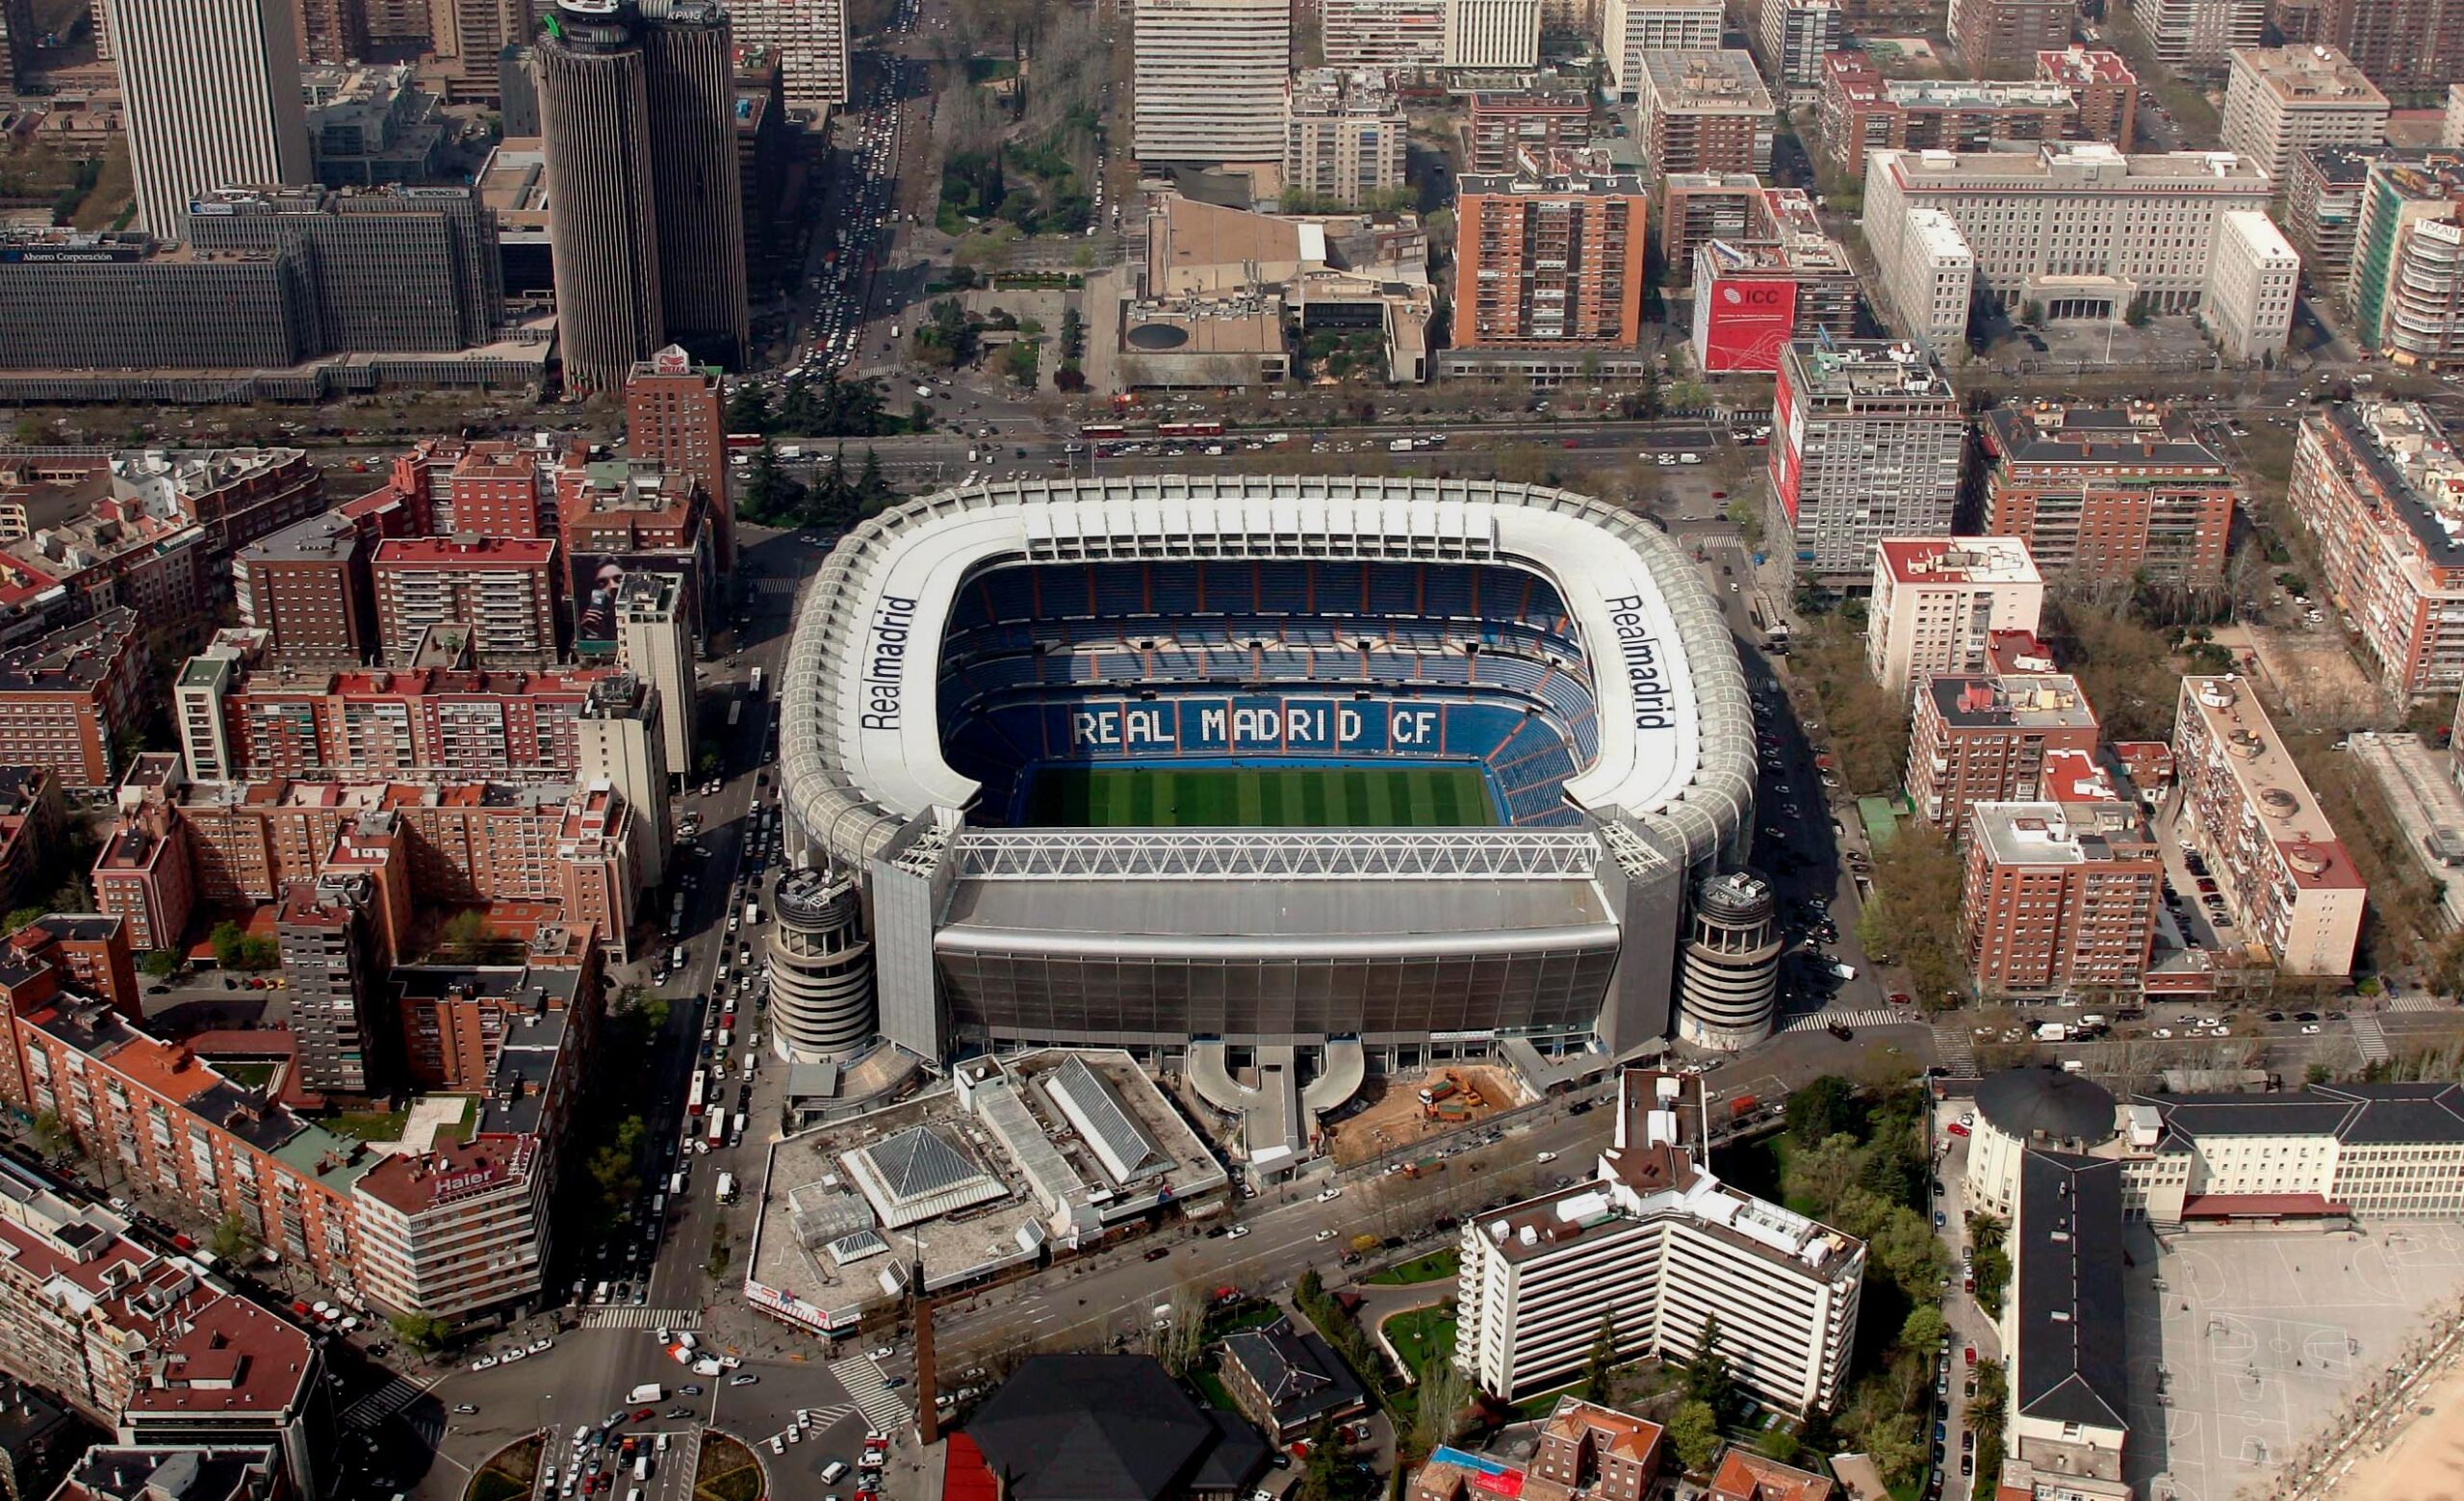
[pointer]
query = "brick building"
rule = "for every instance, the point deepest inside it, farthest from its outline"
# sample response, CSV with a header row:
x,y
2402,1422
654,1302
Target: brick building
x,y
1987,738
504,589
2060,899
1549,262
2379,487
142,874
30,813
1503,126
1705,111
1862,111
69,700
676,417
498,489
2108,495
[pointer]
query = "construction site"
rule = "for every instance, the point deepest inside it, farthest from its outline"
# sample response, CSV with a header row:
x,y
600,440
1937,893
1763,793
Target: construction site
x,y
1397,1111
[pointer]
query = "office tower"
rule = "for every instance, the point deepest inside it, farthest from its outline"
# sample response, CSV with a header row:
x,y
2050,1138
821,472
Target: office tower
x,y
2405,285
695,187
1631,27
1207,80
1867,442
1550,263
213,97
811,38
388,269
1493,34
676,414
647,230
1388,34
2282,101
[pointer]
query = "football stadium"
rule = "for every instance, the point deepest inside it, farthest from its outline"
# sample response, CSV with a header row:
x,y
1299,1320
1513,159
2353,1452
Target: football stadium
x,y
1323,772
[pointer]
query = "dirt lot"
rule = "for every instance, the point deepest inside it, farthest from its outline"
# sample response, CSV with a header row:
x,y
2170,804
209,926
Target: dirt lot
x,y
2425,1461
1392,1118
2313,673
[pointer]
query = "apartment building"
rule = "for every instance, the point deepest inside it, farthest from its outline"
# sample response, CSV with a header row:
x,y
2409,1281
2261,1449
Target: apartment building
x,y
1630,29
1342,144
1503,128
1695,207
1493,35
2322,212
2074,229
2283,872
1549,262
1751,298
1938,601
307,588
2379,487
32,813
1863,111
1704,111
326,944
504,590
143,876
498,489
69,699
2108,495
2406,286
2252,283
1990,35
2364,1152
1207,80
146,1344
1397,34
2199,36
2283,101
2060,900
1791,37
676,418
1656,1241
654,643
1930,280
2102,84
2407,46
2016,734
1867,443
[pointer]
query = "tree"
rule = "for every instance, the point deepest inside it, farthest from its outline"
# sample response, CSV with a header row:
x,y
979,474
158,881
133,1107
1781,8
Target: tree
x,y
1323,1479
467,936
1020,362
52,1137
1824,1108
770,493
236,948
422,1332
749,408
1914,913
1185,1338
231,1240
159,964
1694,1432
1706,1374
1073,335
1993,1270
1439,1403
873,489
1923,1328
1600,1372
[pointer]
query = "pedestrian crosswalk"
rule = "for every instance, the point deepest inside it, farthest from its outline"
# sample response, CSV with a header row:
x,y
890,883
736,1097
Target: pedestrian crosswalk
x,y
641,1318
863,1379
1958,1052
369,1412
823,1418
2372,1039
2418,1000
1816,1021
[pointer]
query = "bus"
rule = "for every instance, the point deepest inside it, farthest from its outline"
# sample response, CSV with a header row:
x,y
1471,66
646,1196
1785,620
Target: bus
x,y
1096,430
1188,430
743,442
735,714
1773,624
718,1132
698,1096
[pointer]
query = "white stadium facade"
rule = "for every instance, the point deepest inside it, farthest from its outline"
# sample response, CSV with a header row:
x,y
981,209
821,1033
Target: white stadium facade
x,y
1563,656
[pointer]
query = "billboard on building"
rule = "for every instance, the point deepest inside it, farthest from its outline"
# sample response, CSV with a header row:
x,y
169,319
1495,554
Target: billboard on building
x,y
1742,323
596,577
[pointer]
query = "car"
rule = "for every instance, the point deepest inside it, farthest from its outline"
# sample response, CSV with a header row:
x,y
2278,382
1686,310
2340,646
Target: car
x,y
644,1415
675,1414
465,1409
692,1390
1236,1233
777,1445
485,1363
2310,1029
1326,1235
1546,1157
1157,1253
1330,1192
743,1378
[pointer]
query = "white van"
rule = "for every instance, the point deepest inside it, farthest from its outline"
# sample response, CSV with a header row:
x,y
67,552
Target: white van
x,y
832,1472
641,1466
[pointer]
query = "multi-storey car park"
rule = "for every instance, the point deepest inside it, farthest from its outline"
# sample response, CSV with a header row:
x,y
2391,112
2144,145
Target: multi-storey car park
x,y
1328,769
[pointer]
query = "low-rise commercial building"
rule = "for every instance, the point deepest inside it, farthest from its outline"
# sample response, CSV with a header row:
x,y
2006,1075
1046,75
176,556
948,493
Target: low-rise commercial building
x,y
1867,441
1657,1243
2060,900
2108,495
1938,601
2283,101
2283,872
1703,110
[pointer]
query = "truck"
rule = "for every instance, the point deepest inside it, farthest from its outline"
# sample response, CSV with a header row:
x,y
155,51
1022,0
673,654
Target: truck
x,y
727,1188
2053,1031
647,1391
753,683
1442,1089
735,1131
1400,445
791,451
751,912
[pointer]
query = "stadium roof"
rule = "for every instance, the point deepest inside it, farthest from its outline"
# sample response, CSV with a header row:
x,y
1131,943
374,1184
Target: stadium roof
x,y
860,739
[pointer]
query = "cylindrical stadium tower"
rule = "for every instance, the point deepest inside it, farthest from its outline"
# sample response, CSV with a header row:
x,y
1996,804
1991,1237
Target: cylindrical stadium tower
x,y
821,968
1731,974
593,121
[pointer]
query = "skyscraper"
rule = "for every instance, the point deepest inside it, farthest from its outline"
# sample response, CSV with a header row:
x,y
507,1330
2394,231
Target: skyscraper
x,y
697,189
1207,78
212,90
647,234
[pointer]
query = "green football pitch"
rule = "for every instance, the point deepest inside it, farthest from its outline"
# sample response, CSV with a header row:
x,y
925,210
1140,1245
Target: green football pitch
x,y
1297,797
